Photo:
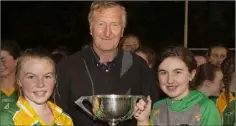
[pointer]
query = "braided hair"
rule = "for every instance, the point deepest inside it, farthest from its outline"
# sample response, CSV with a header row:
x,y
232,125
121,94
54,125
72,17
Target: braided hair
x,y
228,68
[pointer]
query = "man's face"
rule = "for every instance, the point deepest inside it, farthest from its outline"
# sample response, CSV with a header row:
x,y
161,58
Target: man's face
x,y
217,56
107,28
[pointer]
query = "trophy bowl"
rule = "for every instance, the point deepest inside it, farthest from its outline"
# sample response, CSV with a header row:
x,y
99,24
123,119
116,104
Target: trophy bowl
x,y
110,108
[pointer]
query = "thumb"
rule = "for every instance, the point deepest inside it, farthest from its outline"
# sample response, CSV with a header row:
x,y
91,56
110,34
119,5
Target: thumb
x,y
149,103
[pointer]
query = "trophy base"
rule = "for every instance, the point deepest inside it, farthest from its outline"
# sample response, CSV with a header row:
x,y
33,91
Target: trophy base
x,y
112,123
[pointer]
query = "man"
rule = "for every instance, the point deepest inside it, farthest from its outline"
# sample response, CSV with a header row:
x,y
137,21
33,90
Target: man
x,y
200,60
102,68
9,53
216,54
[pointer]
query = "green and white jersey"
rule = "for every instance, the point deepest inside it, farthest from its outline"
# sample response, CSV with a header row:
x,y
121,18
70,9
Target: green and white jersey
x,y
7,99
193,109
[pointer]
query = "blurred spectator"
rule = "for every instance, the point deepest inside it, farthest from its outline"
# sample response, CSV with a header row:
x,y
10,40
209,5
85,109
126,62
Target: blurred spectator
x,y
59,53
217,53
208,79
148,55
200,60
130,43
9,53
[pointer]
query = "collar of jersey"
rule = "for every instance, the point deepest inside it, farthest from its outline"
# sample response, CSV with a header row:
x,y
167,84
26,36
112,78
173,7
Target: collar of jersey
x,y
23,105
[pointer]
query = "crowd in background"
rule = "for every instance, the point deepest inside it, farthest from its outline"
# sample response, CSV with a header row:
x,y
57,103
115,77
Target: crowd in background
x,y
208,79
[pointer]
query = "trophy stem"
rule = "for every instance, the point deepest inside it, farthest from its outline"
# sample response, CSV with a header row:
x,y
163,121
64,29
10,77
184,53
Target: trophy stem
x,y
112,123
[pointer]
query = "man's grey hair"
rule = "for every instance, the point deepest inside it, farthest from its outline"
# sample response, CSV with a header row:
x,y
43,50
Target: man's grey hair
x,y
106,4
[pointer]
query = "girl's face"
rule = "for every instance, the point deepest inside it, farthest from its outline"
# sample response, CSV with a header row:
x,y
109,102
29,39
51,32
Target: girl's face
x,y
8,64
216,84
131,44
174,77
37,79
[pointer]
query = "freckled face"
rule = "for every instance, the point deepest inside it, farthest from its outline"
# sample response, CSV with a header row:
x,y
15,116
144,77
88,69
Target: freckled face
x,y
37,79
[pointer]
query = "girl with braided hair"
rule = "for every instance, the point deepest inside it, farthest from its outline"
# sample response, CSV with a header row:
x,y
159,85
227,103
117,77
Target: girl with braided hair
x,y
226,101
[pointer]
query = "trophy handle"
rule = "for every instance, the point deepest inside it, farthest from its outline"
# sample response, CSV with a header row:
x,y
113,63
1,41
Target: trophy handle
x,y
136,99
79,102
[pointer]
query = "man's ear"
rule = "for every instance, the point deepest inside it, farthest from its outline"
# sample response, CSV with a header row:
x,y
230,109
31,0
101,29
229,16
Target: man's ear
x,y
122,32
90,28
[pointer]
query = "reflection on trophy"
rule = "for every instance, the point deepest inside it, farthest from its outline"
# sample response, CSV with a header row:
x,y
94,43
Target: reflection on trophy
x,y
110,108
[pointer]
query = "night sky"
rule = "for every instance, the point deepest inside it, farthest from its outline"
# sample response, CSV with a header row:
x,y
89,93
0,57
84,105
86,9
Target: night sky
x,y
158,24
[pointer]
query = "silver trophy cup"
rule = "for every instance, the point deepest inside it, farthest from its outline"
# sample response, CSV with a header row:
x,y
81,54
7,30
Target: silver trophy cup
x,y
110,108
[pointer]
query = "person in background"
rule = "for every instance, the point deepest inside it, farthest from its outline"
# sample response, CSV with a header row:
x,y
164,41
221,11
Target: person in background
x,y
200,60
226,101
36,76
208,80
176,70
130,43
9,53
148,55
102,67
217,53
60,53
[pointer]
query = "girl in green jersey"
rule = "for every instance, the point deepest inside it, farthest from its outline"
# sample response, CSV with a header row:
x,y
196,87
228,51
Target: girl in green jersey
x,y
9,53
176,70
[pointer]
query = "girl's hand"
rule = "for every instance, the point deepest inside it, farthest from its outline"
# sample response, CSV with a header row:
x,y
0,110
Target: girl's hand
x,y
142,111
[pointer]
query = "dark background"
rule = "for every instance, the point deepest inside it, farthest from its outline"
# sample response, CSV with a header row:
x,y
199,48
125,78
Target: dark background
x,y
157,23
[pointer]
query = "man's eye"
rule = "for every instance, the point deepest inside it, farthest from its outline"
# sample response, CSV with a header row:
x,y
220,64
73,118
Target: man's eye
x,y
30,77
100,23
115,24
223,56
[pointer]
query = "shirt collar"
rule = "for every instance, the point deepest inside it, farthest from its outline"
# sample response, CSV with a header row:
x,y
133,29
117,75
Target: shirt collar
x,y
23,105
96,58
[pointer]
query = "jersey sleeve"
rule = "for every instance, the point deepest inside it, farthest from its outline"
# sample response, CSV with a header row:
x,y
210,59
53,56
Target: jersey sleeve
x,y
6,118
209,113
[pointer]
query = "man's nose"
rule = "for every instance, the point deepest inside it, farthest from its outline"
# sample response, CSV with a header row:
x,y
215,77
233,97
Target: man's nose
x,y
107,31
